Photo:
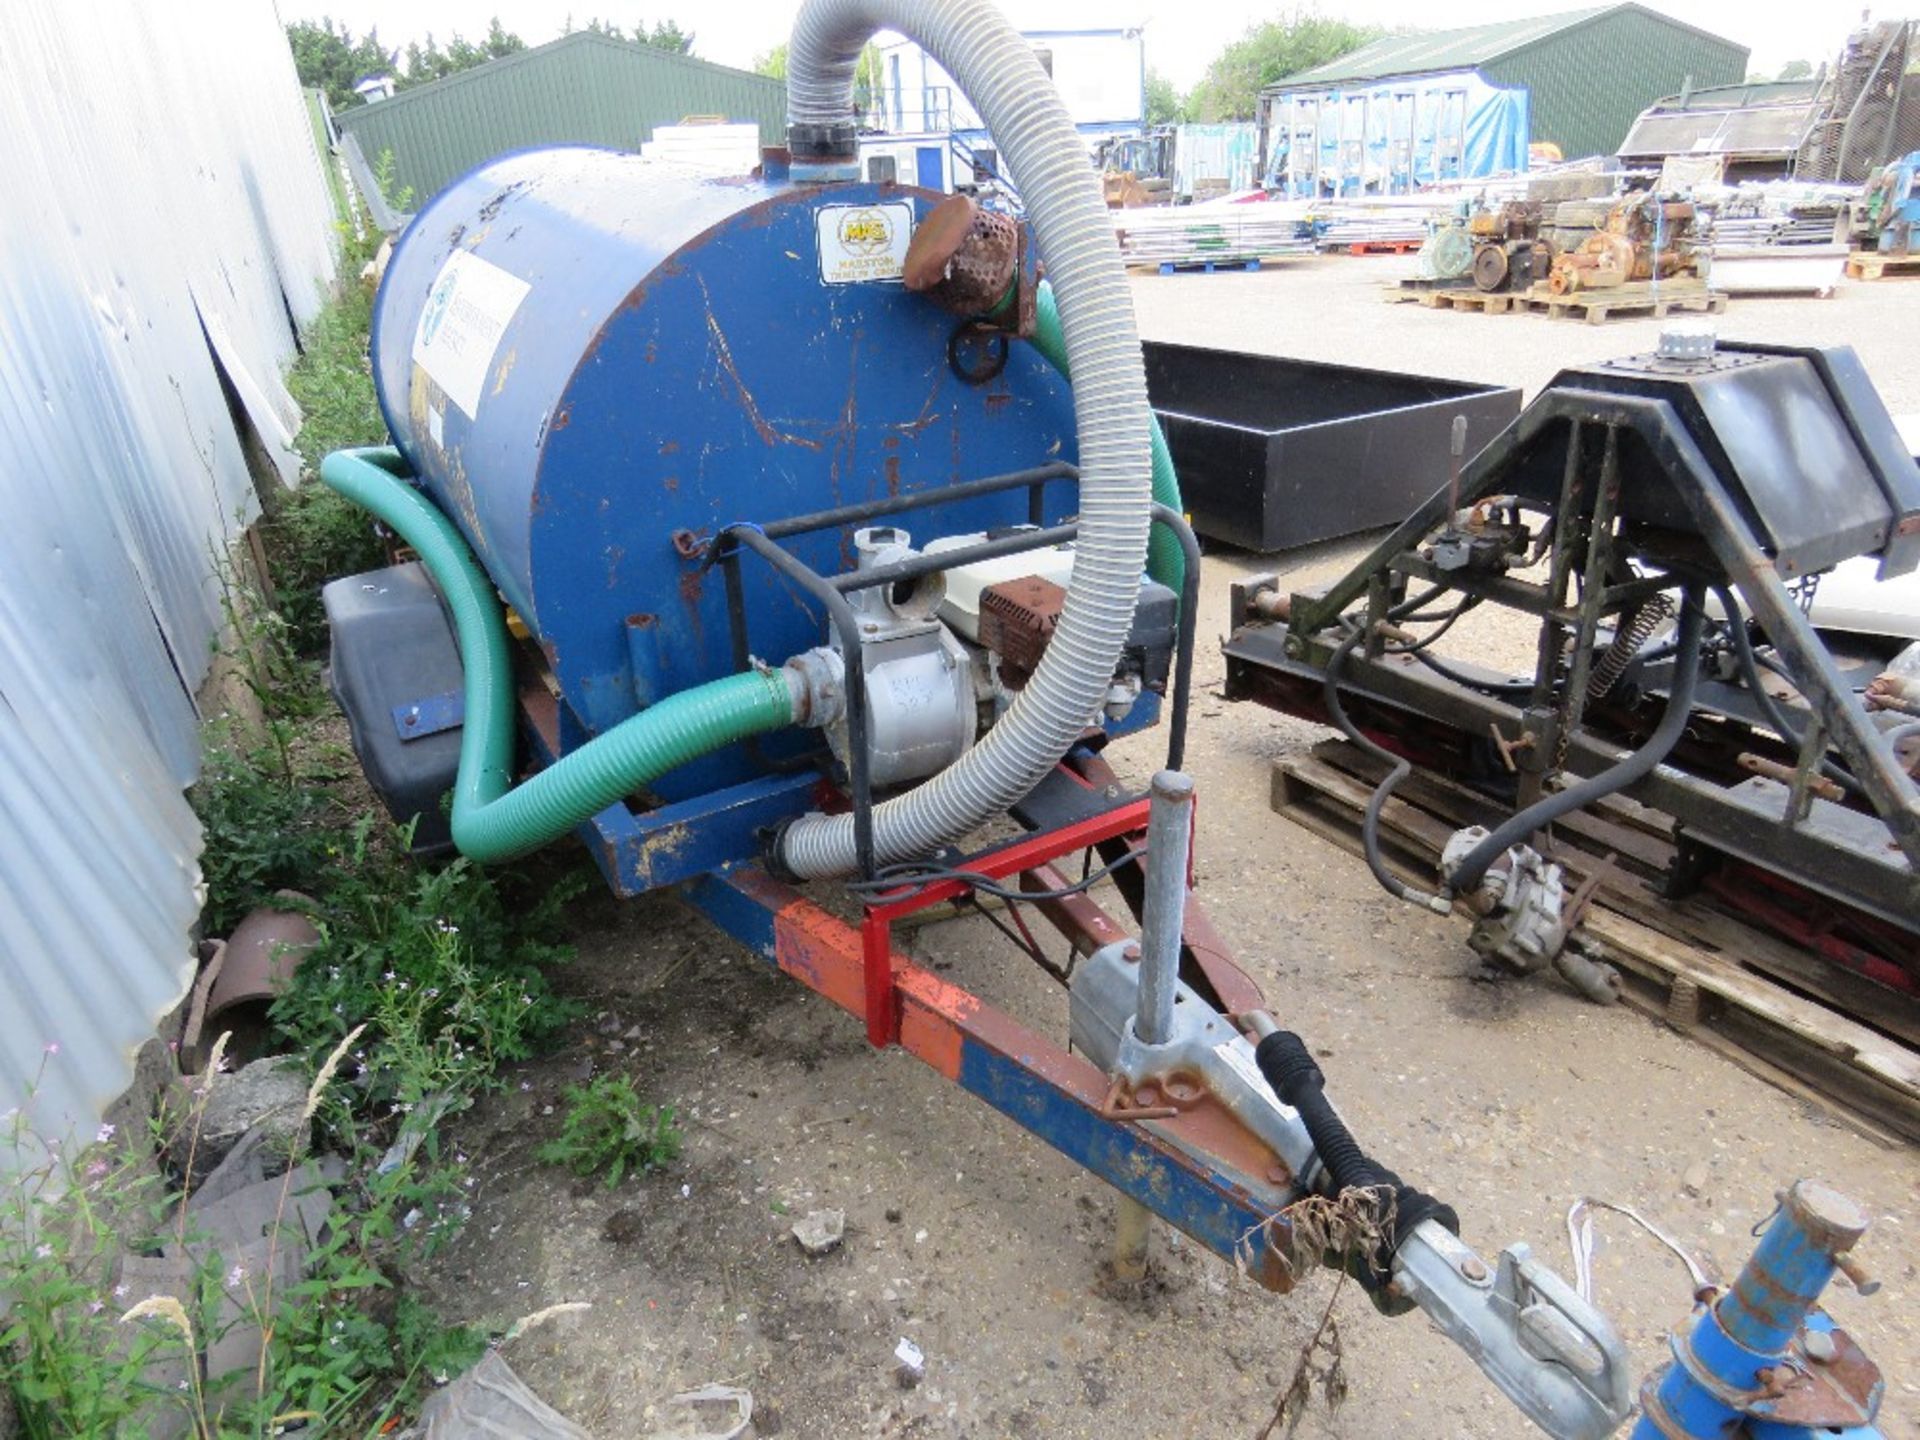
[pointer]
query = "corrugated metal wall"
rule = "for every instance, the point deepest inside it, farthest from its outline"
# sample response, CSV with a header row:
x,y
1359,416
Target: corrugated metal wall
x,y
162,194
1589,84
581,89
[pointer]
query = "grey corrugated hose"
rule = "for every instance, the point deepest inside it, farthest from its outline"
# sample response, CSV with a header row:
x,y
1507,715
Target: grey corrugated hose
x,y
998,71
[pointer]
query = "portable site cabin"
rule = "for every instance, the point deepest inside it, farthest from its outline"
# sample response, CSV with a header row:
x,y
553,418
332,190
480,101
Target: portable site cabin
x,y
1100,73
1410,110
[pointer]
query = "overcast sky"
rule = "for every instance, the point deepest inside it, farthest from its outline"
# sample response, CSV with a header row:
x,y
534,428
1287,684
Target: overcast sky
x,y
1181,37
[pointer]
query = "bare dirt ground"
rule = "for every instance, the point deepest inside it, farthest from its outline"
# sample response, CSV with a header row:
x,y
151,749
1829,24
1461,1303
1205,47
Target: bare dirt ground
x,y
967,1235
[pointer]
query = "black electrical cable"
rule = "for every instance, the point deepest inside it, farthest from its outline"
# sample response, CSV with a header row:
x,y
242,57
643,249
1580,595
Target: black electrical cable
x,y
1024,941
1406,608
1401,768
1460,677
1414,647
911,877
1467,600
1776,714
1468,874
1289,1068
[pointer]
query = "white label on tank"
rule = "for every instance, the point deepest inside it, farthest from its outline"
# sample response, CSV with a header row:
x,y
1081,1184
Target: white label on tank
x,y
863,242
460,327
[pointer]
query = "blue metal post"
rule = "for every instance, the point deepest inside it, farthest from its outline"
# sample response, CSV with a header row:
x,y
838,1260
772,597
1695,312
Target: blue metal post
x,y
1745,1351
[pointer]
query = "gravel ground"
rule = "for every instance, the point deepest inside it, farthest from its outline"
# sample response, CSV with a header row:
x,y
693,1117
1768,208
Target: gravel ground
x,y
984,1246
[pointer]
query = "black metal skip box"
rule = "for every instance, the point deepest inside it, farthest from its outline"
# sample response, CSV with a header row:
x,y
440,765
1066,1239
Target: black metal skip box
x,y
1736,470
1274,453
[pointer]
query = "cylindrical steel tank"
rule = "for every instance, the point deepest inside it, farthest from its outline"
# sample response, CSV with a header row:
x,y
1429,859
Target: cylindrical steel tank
x,y
584,355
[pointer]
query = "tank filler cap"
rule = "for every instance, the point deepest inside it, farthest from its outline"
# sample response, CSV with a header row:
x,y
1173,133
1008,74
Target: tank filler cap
x,y
1687,342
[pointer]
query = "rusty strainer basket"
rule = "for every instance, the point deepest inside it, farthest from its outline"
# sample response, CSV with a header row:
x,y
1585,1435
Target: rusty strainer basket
x,y
964,258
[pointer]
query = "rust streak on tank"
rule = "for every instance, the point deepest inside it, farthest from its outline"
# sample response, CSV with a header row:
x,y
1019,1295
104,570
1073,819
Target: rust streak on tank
x,y
769,434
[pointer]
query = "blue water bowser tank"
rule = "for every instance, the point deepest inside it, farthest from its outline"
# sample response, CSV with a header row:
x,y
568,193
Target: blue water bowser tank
x,y
592,362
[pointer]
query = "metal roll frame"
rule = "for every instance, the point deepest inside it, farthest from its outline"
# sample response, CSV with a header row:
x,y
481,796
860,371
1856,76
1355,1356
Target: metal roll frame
x,y
831,594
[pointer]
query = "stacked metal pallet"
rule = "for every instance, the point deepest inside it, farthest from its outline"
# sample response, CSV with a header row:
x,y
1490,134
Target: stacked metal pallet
x,y
1362,223
1184,236
1777,236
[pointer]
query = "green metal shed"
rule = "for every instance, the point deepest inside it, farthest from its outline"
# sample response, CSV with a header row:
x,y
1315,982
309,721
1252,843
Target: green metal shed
x,y
1588,73
584,88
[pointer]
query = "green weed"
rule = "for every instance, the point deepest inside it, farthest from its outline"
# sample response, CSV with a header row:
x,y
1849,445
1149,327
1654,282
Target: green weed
x,y
609,1130
312,533
78,1351
268,820
447,962
71,1370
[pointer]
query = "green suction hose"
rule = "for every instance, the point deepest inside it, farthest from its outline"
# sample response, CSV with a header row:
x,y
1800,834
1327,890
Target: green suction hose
x,y
492,818
1166,562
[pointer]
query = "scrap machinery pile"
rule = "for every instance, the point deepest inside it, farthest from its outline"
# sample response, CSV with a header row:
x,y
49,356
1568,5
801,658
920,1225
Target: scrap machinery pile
x,y
1646,237
1509,252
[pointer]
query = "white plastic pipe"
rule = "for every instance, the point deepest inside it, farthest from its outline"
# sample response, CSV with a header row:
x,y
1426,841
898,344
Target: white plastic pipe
x,y
999,73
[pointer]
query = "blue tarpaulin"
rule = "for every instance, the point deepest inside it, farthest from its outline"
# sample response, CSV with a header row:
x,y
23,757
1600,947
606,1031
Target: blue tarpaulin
x,y
1390,137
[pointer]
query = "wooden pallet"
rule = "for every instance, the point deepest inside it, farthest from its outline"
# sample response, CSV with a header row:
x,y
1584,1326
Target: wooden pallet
x,y
1772,1009
1596,307
1396,291
1198,266
1499,302
1383,247
1872,265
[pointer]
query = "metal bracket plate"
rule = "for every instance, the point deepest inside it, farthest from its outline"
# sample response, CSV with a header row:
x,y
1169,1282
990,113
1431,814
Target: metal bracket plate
x,y
432,715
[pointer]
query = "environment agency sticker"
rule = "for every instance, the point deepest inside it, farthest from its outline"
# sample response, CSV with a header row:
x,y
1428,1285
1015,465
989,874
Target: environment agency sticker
x,y
863,242
461,324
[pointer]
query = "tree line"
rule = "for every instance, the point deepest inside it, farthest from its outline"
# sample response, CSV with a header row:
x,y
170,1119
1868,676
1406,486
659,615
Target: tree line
x,y
1230,89
329,56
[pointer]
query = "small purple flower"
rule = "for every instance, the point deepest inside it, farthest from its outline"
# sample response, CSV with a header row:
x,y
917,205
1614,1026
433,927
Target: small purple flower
x,y
235,1276
94,1307
53,1047
104,1135
120,1291
43,1252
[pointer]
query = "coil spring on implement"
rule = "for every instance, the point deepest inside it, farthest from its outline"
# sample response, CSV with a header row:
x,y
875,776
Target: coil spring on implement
x,y
1635,630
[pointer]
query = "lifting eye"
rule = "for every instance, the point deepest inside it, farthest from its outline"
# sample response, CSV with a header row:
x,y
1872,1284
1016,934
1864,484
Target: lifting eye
x,y
977,353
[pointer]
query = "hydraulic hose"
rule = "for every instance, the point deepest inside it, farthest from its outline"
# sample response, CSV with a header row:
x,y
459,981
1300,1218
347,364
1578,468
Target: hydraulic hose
x,y
1288,1066
1468,874
493,819
1377,802
1399,766
999,72
1775,712
1165,561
